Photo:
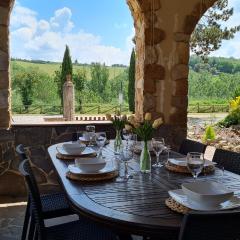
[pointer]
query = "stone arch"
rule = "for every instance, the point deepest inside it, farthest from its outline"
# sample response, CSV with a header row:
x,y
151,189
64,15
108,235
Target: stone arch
x,y
163,30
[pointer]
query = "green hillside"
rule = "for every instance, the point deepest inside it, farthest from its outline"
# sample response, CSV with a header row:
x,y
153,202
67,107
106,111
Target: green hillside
x,y
50,68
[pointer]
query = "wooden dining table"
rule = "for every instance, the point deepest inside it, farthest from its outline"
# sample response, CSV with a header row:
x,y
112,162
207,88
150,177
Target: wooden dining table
x,y
136,206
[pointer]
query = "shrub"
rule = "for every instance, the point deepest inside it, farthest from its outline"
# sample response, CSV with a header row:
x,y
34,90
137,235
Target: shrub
x,y
209,134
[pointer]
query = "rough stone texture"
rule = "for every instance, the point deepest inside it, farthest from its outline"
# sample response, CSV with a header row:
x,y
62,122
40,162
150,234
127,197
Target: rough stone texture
x,y
6,3
36,140
4,61
181,37
4,98
190,23
68,100
179,72
4,84
180,88
154,36
4,20
4,44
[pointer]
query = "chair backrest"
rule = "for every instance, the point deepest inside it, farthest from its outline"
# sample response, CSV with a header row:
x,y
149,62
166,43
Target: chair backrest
x,y
191,146
72,136
227,159
21,152
36,205
210,225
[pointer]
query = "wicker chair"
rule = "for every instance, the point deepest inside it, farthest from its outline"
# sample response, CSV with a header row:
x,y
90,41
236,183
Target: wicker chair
x,y
191,146
210,225
53,205
79,230
230,161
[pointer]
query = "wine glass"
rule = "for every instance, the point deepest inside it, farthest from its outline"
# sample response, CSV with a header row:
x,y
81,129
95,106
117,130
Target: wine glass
x,y
127,134
133,142
126,155
158,147
90,129
101,140
195,163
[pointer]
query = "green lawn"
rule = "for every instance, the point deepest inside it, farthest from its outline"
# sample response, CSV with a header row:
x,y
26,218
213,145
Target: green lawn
x,y
50,68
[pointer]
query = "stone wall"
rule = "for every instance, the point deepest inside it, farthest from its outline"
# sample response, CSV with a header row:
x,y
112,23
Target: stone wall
x,y
37,139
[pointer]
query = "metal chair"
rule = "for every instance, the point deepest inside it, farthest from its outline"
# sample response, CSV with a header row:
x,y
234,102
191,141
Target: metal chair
x,y
53,205
230,161
191,146
79,230
210,225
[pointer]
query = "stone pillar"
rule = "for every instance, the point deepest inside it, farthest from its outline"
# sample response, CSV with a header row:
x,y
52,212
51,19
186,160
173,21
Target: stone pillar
x,y
68,99
5,101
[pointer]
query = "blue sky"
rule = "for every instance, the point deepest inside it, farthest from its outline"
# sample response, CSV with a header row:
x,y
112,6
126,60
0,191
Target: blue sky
x,y
95,30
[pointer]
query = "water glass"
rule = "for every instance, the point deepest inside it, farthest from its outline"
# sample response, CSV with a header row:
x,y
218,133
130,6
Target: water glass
x,y
126,155
133,142
90,129
158,147
195,163
100,141
127,135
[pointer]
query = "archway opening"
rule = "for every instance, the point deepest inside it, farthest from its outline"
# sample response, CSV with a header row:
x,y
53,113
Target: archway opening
x,y
37,46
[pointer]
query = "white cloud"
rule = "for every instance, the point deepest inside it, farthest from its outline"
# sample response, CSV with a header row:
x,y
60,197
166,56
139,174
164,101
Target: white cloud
x,y
46,39
62,20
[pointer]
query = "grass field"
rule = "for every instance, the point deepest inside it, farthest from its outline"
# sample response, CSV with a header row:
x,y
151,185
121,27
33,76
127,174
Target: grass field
x,y
50,68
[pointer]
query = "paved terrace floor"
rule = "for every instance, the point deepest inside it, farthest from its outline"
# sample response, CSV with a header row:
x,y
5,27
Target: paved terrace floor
x,y
12,213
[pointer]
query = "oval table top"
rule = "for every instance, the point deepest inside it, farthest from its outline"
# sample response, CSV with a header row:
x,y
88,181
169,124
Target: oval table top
x,y
137,206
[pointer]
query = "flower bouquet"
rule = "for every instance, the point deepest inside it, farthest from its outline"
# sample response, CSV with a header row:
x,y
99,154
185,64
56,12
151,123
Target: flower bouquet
x,y
145,131
118,122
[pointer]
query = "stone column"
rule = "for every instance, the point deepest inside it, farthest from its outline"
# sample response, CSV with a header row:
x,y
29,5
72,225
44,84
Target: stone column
x,y
68,99
5,101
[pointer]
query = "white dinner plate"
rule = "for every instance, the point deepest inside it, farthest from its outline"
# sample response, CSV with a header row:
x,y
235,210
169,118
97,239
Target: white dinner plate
x,y
179,196
76,170
183,162
87,151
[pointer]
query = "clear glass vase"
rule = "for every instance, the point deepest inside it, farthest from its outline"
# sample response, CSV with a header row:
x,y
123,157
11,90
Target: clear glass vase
x,y
145,159
118,142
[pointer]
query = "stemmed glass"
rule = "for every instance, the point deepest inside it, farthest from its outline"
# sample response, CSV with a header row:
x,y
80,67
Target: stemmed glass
x,y
127,135
126,155
133,142
101,140
195,163
158,147
90,129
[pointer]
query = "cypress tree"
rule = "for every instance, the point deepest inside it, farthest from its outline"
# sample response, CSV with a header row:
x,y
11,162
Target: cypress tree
x,y
131,83
66,69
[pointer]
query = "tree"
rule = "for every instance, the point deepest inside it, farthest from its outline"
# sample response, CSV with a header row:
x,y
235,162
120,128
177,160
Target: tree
x,y
131,83
25,81
65,70
209,32
99,79
79,79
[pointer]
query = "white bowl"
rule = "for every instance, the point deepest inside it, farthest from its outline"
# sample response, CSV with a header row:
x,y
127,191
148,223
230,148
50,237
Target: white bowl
x,y
74,148
90,165
207,192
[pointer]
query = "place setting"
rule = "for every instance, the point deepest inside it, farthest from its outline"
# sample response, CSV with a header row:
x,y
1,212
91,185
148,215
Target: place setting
x,y
200,195
89,162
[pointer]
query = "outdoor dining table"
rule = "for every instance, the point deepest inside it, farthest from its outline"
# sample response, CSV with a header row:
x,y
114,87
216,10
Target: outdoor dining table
x,y
133,207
